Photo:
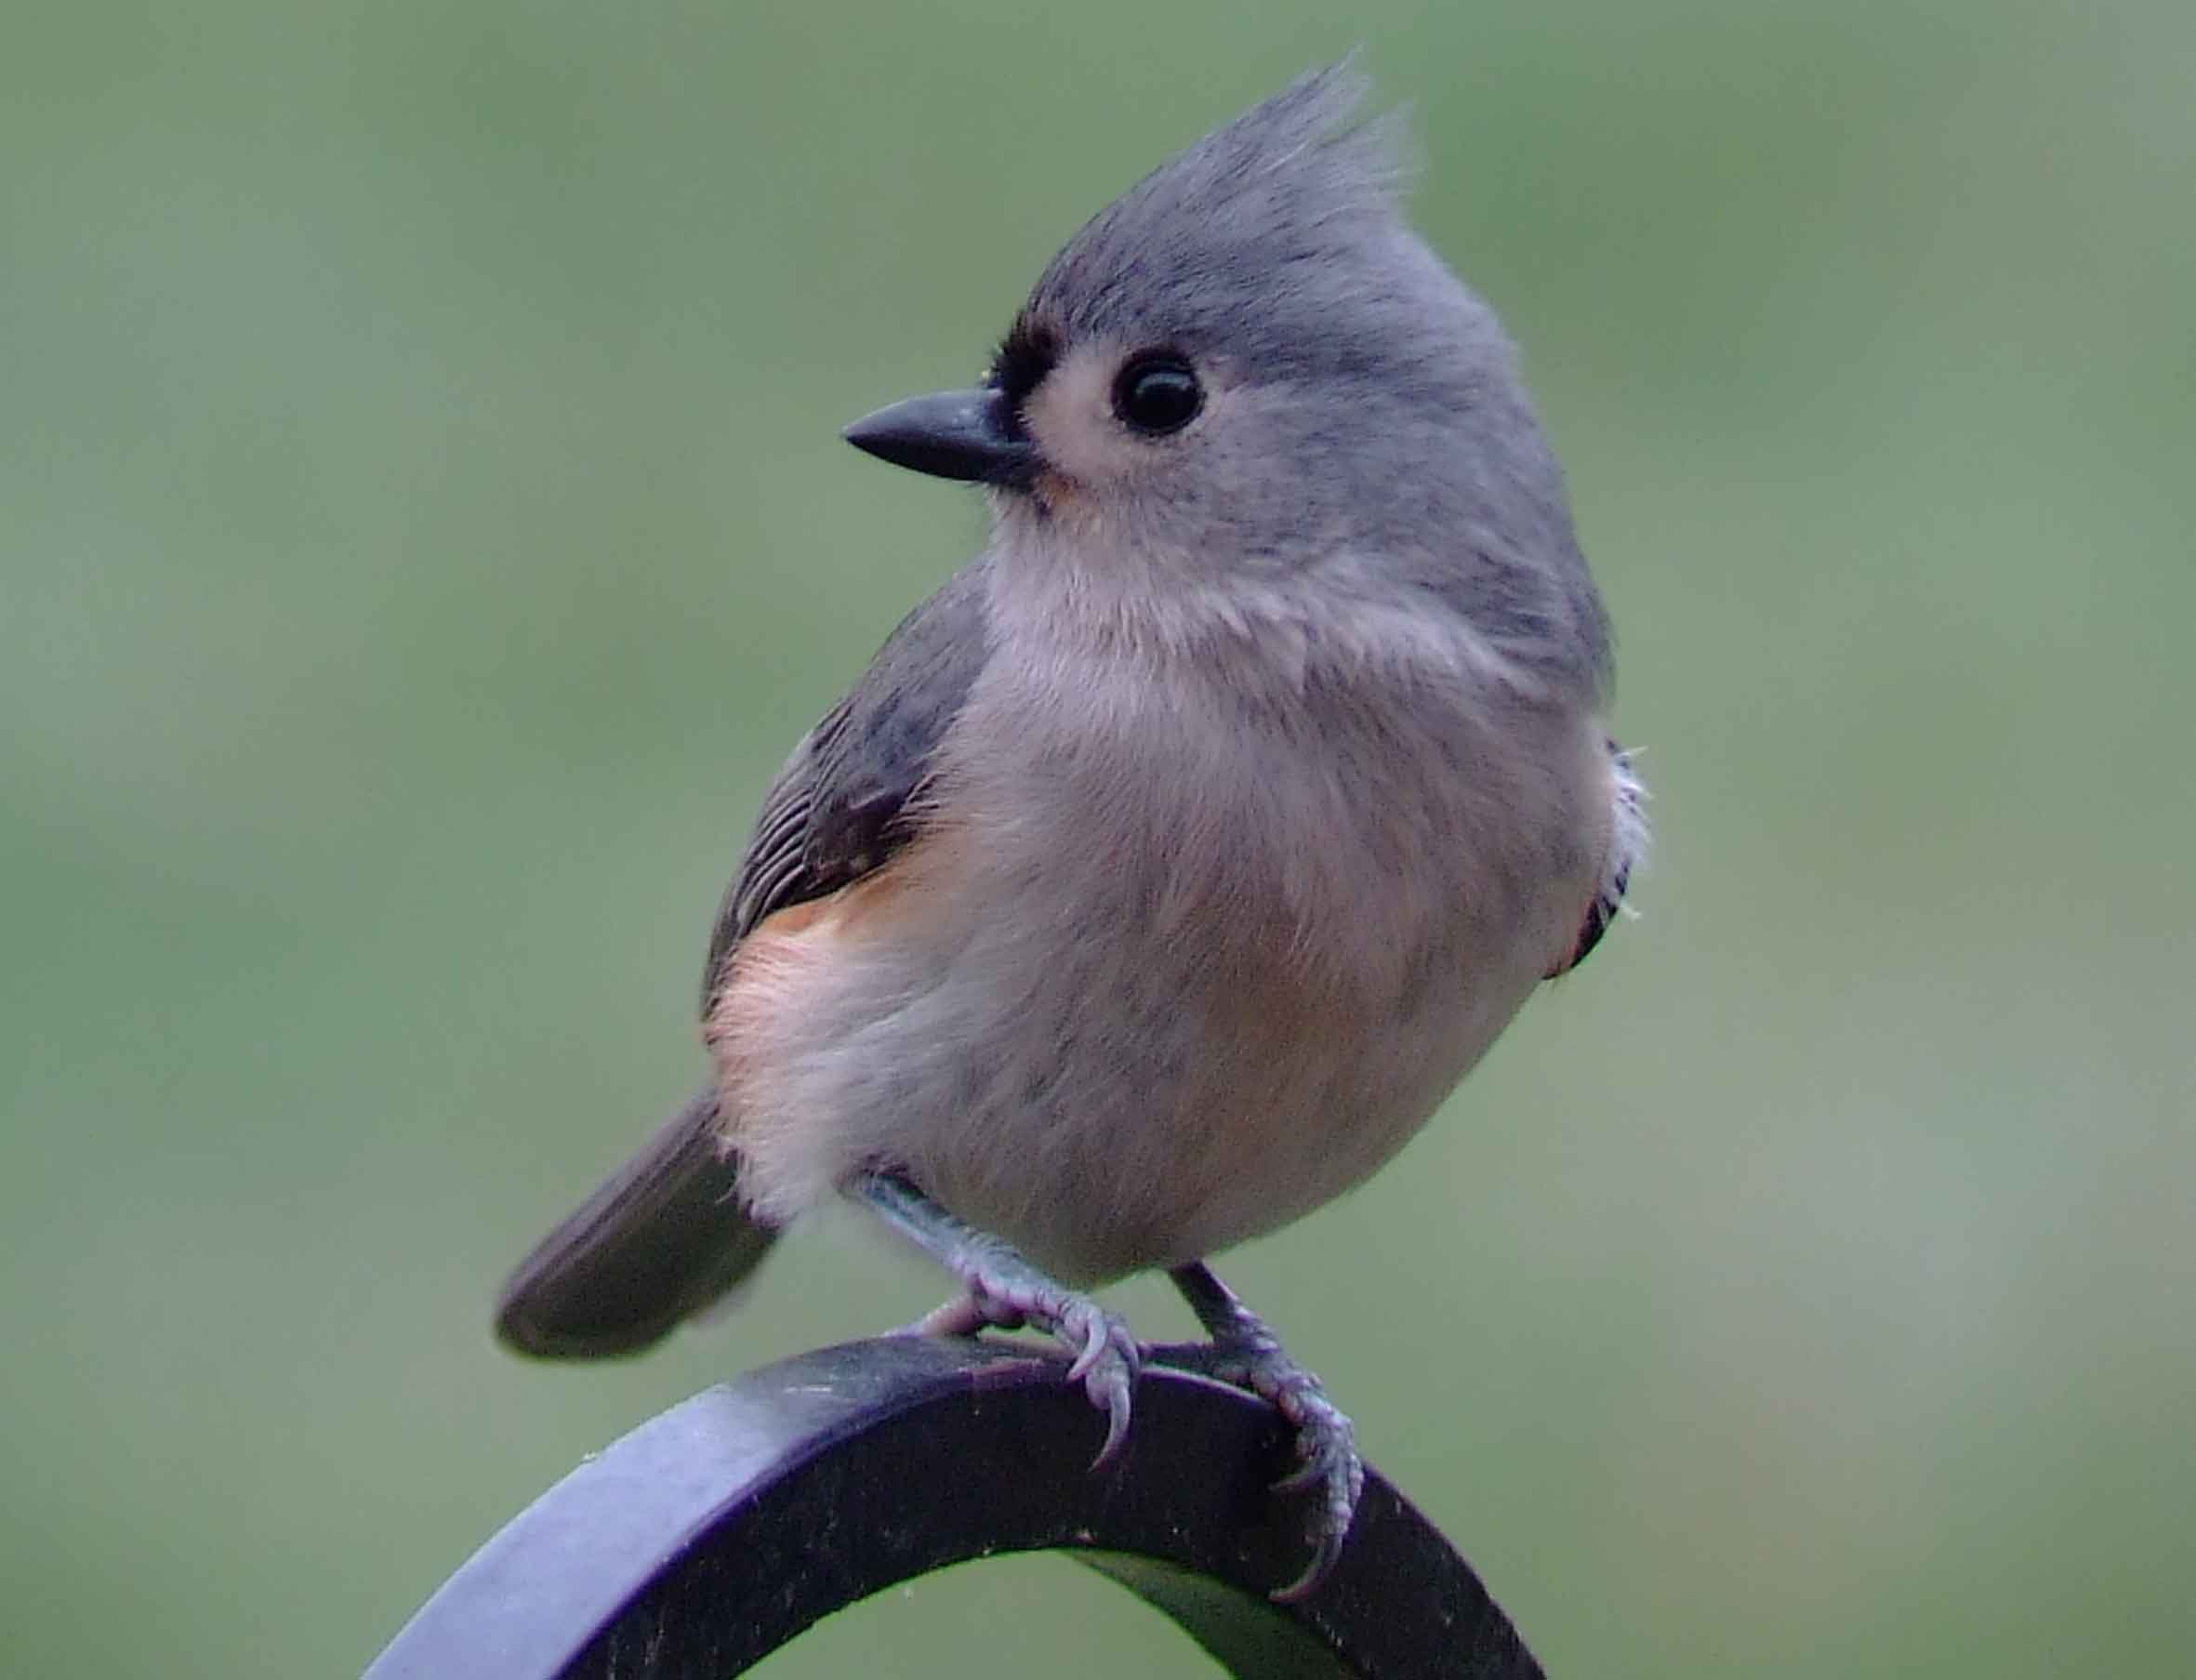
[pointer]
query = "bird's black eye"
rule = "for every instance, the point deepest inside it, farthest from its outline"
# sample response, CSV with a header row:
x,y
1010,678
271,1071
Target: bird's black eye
x,y
1157,394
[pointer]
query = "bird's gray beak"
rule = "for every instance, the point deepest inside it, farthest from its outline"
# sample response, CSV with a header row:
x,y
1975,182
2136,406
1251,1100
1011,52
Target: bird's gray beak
x,y
970,435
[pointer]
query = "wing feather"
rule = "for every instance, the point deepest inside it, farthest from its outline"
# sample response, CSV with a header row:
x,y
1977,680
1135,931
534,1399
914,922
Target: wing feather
x,y
839,809
1627,847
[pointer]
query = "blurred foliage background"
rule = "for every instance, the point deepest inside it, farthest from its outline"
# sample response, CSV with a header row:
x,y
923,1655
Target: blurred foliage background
x,y
423,529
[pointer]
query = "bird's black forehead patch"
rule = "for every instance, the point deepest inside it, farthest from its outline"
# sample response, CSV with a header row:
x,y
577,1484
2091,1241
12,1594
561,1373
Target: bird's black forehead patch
x,y
1024,356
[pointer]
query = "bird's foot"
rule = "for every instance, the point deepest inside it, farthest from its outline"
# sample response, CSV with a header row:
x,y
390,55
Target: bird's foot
x,y
1103,1355
1006,1291
1246,1354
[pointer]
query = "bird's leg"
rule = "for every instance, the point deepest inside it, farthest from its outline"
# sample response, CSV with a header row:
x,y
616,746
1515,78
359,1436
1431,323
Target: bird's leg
x,y
1246,1354
1007,1291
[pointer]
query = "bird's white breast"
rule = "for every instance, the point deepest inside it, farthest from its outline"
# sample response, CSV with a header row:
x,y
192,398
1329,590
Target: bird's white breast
x,y
1178,958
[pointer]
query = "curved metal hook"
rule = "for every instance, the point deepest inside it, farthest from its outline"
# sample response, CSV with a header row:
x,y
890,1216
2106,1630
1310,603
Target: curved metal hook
x,y
717,1531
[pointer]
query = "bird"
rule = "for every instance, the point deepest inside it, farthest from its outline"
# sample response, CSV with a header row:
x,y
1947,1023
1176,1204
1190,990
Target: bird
x,y
1171,863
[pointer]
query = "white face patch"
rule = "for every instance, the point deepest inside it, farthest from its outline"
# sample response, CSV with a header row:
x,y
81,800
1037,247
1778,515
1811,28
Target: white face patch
x,y
1071,417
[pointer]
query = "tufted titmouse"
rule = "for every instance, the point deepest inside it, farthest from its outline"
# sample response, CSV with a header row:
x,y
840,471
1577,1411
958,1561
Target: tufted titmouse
x,y
1172,862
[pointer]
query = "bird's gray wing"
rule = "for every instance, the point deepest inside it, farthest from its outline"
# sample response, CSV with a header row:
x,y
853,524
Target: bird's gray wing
x,y
1628,843
667,1234
839,808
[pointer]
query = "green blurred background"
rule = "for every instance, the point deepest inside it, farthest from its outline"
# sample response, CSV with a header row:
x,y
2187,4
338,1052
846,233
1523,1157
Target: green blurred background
x,y
423,529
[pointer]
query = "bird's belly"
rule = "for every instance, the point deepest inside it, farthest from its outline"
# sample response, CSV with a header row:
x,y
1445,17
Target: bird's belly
x,y
1127,1097
1161,1135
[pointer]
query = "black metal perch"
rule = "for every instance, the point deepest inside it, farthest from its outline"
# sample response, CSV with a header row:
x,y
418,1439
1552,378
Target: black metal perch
x,y
716,1532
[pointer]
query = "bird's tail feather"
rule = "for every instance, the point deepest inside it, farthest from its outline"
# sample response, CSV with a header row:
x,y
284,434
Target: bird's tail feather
x,y
661,1239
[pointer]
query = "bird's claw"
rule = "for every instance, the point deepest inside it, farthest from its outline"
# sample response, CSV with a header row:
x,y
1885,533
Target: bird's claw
x,y
1327,1451
1327,1462
1003,1289
1106,1366
1103,1355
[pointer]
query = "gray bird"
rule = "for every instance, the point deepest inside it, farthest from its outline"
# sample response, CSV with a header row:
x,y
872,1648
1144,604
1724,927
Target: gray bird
x,y
1171,863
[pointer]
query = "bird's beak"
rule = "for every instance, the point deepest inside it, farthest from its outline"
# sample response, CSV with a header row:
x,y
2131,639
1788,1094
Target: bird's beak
x,y
970,435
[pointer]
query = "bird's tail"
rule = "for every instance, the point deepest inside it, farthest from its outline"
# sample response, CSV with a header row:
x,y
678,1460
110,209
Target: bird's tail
x,y
661,1239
